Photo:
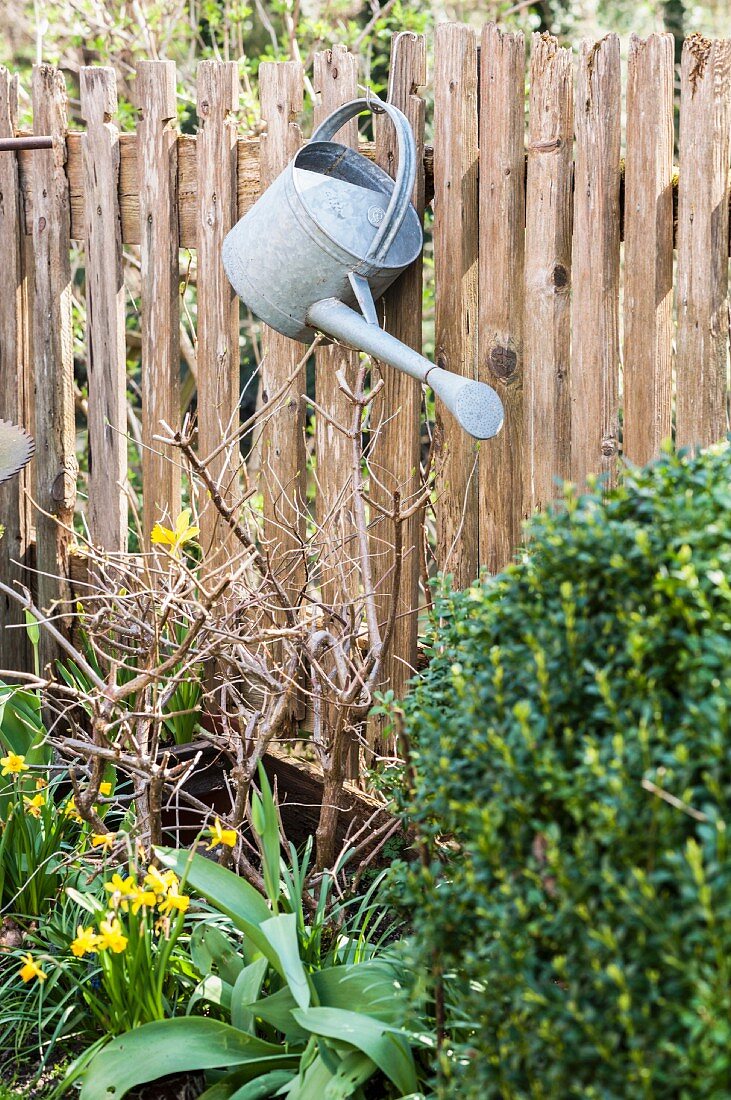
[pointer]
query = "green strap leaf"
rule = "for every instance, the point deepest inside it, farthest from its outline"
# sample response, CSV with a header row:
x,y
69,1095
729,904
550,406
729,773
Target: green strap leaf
x,y
231,895
179,1045
281,932
385,1045
245,992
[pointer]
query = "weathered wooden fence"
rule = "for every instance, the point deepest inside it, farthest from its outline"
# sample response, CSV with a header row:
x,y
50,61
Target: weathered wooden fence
x,y
594,358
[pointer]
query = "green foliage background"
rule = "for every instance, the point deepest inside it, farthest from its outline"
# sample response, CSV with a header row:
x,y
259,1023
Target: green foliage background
x,y
571,736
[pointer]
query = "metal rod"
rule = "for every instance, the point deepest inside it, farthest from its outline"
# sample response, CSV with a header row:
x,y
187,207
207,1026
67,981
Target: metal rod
x,y
36,141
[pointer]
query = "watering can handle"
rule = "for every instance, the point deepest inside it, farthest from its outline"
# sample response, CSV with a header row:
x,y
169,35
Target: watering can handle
x,y
405,175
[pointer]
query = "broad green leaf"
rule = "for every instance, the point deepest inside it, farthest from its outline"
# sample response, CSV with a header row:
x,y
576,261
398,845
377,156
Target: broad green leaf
x,y
211,949
179,1045
231,895
354,1070
267,1085
21,725
369,987
281,932
276,1073
277,1011
311,1084
247,990
213,990
387,1047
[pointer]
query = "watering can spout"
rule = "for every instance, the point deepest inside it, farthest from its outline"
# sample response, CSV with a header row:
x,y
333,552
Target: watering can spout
x,y
475,405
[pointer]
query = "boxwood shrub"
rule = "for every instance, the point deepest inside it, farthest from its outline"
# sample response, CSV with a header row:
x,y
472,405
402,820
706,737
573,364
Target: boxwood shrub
x,y
571,755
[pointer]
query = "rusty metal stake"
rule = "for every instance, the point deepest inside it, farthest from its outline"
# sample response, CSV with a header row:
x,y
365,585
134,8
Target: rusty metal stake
x,y
14,145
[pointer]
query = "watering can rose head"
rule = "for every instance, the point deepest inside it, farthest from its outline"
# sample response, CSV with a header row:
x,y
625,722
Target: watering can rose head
x,y
326,239
16,450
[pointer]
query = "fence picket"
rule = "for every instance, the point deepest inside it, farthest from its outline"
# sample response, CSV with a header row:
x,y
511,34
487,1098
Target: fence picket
x,y
55,462
395,454
455,262
594,378
157,166
502,250
703,223
335,80
283,441
648,247
218,307
14,383
547,319
105,326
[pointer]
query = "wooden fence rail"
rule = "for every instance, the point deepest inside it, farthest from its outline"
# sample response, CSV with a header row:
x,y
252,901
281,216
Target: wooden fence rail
x,y
535,291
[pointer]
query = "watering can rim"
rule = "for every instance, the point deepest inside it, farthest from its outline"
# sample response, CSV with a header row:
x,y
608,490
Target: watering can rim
x,y
403,184
359,261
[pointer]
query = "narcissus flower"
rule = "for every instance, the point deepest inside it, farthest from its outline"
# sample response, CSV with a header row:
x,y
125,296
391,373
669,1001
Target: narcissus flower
x,y
174,900
34,805
111,936
71,811
86,942
161,881
184,532
121,889
13,764
103,840
219,835
105,789
30,969
147,898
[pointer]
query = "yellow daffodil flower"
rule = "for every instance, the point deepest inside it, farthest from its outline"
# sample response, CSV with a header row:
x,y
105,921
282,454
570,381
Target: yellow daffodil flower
x,y
105,789
161,881
174,900
147,898
184,532
111,936
121,889
86,942
219,835
30,969
103,840
13,764
71,811
41,784
34,805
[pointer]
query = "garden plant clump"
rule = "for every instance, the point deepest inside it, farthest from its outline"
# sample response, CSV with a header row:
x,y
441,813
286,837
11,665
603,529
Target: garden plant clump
x,y
571,740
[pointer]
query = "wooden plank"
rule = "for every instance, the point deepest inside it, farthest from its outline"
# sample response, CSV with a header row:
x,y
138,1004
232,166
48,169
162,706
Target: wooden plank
x,y
106,352
248,185
218,307
282,471
595,315
703,223
53,362
396,451
455,261
335,80
159,287
14,380
648,247
502,251
547,316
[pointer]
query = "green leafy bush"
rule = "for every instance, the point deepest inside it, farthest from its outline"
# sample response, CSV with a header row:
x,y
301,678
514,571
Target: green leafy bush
x,y
572,736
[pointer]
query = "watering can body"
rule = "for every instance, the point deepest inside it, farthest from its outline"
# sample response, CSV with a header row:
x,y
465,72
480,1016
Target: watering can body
x,y
325,241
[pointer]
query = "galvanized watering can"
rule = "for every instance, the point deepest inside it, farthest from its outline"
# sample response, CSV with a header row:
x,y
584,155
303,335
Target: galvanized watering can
x,y
332,233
